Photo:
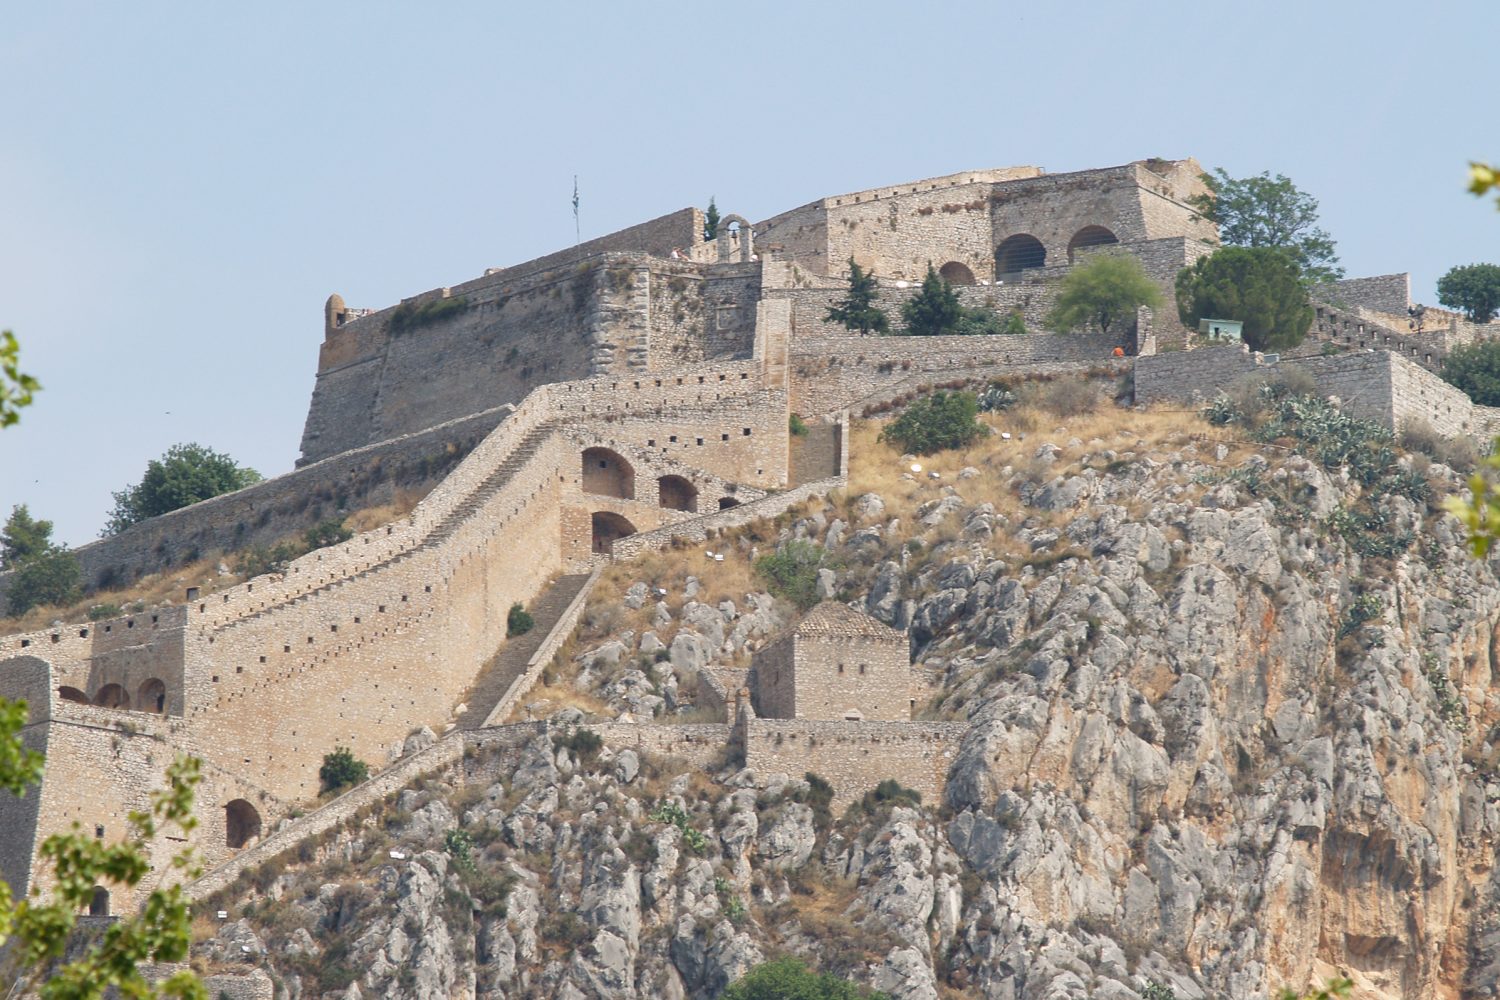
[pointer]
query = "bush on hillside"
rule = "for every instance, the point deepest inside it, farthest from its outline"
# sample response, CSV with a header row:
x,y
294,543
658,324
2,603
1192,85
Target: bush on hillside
x,y
939,422
790,979
45,572
518,621
342,769
791,572
1475,368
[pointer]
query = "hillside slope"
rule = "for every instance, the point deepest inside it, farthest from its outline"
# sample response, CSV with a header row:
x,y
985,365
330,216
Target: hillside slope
x,y
1233,725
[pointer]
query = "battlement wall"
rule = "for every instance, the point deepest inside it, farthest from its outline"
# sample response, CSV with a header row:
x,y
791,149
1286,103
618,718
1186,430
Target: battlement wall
x,y
1387,293
854,757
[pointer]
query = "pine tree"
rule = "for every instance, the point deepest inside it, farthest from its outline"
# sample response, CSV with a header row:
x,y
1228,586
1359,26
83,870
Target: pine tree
x,y
857,310
933,311
711,222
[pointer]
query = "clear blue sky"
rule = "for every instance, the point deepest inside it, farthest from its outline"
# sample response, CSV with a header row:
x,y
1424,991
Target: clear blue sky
x,y
182,185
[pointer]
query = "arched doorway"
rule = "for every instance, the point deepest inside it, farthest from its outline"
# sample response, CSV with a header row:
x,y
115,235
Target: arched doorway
x,y
1090,236
732,229
241,823
99,902
727,502
676,493
609,527
607,473
151,696
73,694
112,696
955,273
1022,252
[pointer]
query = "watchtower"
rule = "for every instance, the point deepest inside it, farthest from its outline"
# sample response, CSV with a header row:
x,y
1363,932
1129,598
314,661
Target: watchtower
x,y
835,664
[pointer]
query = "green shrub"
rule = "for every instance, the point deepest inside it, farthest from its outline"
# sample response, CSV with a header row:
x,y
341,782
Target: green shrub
x,y
667,812
518,621
936,423
52,577
186,474
100,612
934,310
341,768
790,979
792,572
1014,325
797,425
258,560
409,315
584,744
327,532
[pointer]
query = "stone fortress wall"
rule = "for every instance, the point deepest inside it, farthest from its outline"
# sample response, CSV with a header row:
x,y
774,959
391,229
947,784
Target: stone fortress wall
x,y
621,397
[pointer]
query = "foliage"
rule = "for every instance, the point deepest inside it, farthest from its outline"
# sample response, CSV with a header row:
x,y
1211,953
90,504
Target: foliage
x,y
1484,178
1104,291
327,532
671,813
23,537
584,744
790,979
16,387
45,572
1259,286
796,426
35,931
1068,397
711,221
857,309
892,792
1475,368
258,560
185,474
1364,608
1156,991
936,423
792,572
1339,986
341,768
1270,212
995,397
1014,324
460,847
1474,288
934,310
518,621
819,798
411,316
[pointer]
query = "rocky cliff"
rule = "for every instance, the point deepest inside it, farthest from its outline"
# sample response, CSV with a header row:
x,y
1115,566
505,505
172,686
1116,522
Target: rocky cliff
x,y
1233,727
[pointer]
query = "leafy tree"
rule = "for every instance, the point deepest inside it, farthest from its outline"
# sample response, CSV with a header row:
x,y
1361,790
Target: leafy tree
x,y
857,310
1266,211
933,311
35,931
186,474
1259,286
1104,291
23,537
45,573
342,768
790,979
936,423
711,221
16,387
1475,368
1014,325
792,572
1474,288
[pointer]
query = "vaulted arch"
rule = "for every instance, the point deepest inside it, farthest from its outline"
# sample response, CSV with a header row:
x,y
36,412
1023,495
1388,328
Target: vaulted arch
x,y
241,823
607,473
1090,236
955,273
112,696
1021,252
608,528
677,493
74,695
151,696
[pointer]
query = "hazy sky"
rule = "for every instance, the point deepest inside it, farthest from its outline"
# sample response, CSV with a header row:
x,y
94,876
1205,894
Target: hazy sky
x,y
182,185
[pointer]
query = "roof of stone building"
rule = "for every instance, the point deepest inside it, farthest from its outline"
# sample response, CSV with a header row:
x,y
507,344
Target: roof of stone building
x,y
830,619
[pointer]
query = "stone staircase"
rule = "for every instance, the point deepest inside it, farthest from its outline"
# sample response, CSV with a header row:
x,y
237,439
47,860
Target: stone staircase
x,y
497,676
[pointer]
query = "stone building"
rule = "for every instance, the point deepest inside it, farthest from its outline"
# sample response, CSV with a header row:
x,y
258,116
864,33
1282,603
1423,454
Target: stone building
x,y
835,663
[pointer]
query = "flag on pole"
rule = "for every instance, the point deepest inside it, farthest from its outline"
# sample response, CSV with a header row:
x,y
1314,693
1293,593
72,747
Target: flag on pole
x,y
577,233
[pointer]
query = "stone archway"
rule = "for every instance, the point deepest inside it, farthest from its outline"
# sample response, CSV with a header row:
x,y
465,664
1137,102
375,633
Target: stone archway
x,y
608,528
74,695
1090,236
241,823
955,273
727,502
112,696
1021,252
744,233
151,696
607,473
99,902
676,493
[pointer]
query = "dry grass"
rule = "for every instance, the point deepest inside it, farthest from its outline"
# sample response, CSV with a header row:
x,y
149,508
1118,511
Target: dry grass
x,y
404,502
562,694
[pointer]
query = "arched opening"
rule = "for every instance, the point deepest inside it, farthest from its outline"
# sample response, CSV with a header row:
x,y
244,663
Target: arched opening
x,y
734,229
151,696
73,694
1018,253
241,823
955,273
608,474
727,502
112,696
99,902
608,528
676,493
1090,236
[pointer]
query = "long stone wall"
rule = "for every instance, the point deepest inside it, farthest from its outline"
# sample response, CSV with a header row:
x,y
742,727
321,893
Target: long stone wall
x,y
699,529
854,757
